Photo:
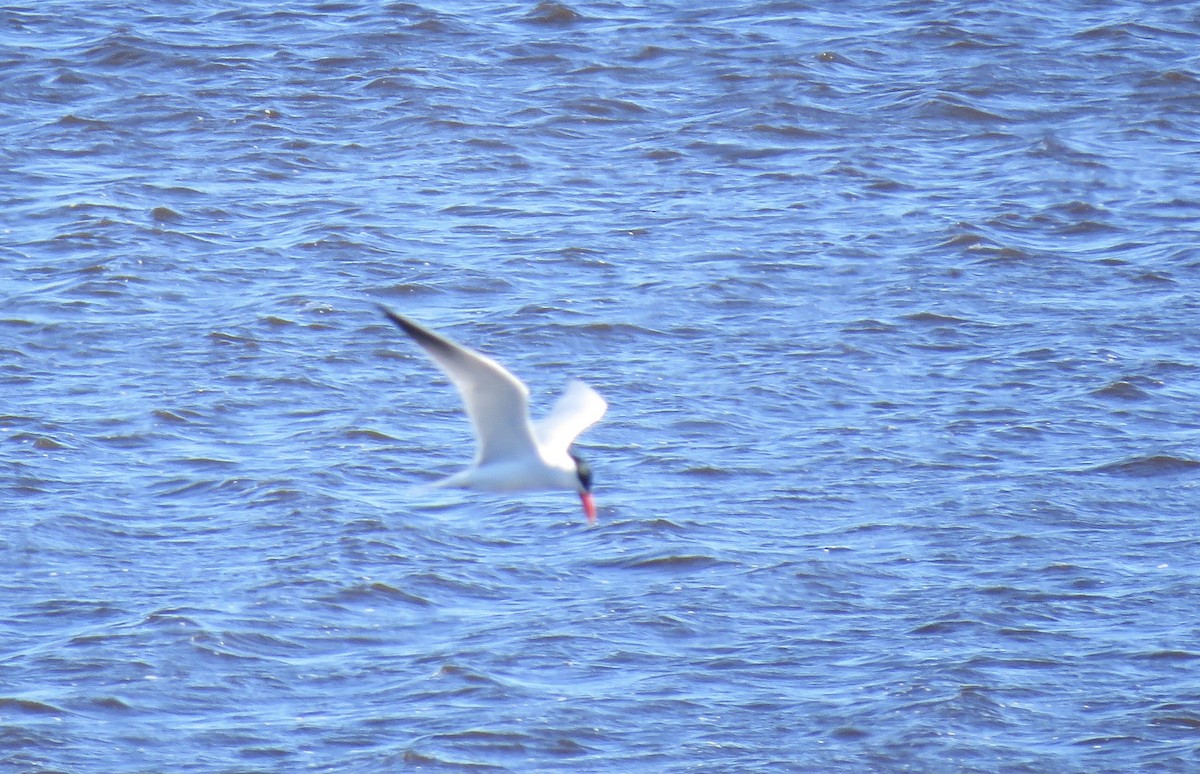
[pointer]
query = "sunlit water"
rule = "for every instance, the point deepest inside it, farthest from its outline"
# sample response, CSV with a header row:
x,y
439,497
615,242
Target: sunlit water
x,y
895,307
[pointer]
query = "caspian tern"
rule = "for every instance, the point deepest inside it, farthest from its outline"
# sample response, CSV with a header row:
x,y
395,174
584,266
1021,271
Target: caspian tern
x,y
512,453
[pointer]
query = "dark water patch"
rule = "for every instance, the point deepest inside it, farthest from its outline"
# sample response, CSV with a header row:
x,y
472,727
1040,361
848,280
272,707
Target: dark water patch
x,y
669,564
849,733
502,742
258,753
1150,466
1052,147
1181,721
953,108
1100,742
438,587
176,487
1173,368
1181,656
215,647
39,442
1030,634
708,471
1127,389
207,463
608,330
368,434
449,762
948,626
128,441
1085,227
869,326
222,338
253,644
552,14
163,214
1154,278
736,152
933,318
788,132
605,108
78,122
833,57
12,706
459,674
965,240
377,592
76,609
110,704
177,417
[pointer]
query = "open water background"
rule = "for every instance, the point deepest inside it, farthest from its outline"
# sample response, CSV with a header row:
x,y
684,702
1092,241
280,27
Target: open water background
x,y
896,306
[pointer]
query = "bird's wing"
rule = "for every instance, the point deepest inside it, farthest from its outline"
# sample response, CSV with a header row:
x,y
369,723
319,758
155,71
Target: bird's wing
x,y
579,408
496,401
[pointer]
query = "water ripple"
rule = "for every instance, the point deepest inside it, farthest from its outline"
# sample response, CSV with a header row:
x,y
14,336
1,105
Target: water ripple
x,y
890,305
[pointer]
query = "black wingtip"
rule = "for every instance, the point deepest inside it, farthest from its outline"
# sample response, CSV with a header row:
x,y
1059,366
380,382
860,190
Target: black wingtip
x,y
391,315
426,338
403,323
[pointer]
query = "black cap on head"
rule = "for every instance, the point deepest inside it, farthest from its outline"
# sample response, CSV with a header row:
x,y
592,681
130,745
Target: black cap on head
x,y
584,471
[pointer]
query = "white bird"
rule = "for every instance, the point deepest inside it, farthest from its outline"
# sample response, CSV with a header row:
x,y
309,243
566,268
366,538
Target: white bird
x,y
512,453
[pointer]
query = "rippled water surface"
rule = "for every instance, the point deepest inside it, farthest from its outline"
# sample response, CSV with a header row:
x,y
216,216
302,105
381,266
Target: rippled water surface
x,y
895,305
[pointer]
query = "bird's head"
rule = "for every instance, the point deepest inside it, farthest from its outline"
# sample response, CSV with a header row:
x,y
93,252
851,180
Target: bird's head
x,y
584,473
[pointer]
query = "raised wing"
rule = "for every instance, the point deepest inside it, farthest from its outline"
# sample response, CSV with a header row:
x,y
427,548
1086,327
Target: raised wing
x,y
496,401
579,408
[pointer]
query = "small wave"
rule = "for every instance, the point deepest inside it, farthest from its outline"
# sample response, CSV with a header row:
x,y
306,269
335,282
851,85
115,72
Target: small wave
x,y
112,704
40,442
1147,467
409,289
9,704
551,14
868,325
78,122
484,736
1122,389
1154,278
207,463
449,762
1178,721
377,591
367,434
466,675
687,562
946,108
607,108
125,440
945,627
788,131
933,318
1085,227
707,471
1171,655
222,338
734,151
833,57
163,214
183,417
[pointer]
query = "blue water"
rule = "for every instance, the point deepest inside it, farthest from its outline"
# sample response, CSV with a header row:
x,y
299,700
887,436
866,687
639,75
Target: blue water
x,y
895,307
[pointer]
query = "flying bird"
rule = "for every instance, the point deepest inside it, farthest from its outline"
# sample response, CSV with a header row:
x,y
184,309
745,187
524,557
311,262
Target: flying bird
x,y
513,453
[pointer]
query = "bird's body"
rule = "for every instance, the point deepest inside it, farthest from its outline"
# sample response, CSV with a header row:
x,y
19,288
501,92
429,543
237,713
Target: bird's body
x,y
520,475
512,453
